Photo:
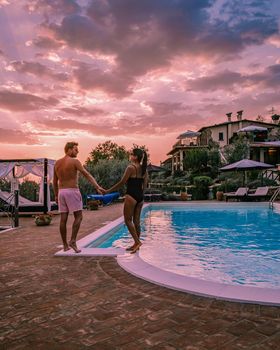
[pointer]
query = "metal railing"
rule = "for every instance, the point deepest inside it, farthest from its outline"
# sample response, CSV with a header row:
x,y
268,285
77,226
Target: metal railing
x,y
6,212
274,197
9,208
272,174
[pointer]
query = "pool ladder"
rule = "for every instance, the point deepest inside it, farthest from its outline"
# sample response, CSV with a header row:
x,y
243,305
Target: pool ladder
x,y
273,197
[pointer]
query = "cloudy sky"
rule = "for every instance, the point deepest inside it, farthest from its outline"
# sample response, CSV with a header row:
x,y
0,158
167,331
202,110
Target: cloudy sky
x,y
131,71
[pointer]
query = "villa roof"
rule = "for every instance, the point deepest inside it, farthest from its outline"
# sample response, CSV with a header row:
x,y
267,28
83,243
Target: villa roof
x,y
176,148
237,121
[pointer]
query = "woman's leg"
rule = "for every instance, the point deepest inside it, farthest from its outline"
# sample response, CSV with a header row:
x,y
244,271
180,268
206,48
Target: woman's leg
x,y
136,217
128,211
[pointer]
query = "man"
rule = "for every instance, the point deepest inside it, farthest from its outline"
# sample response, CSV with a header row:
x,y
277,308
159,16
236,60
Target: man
x,y
67,193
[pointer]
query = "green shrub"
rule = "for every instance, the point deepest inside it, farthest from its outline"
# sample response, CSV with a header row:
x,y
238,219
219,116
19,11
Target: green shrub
x,y
29,189
201,189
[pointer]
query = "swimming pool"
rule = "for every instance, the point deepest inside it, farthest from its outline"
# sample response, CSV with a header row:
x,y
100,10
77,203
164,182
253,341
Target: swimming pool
x,y
238,245
227,250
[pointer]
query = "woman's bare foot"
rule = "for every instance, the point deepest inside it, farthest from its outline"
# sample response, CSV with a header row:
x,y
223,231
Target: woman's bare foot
x,y
73,245
66,247
130,248
136,247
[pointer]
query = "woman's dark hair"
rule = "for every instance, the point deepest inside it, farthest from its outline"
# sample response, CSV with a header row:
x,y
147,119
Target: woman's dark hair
x,y
142,158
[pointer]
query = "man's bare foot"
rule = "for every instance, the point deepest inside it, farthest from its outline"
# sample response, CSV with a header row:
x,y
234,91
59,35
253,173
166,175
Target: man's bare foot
x,y
66,247
136,247
73,245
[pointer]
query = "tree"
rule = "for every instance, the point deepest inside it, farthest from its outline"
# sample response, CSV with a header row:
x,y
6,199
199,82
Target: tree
x,y
29,189
238,150
107,150
196,159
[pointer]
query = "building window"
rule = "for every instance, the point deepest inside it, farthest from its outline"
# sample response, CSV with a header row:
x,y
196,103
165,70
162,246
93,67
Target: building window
x,y
221,136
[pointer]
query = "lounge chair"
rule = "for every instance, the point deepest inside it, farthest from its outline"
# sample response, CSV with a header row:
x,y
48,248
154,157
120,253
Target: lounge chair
x,y
240,193
105,199
261,193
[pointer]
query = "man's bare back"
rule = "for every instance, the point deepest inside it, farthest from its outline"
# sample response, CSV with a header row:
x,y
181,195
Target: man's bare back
x,y
67,194
66,170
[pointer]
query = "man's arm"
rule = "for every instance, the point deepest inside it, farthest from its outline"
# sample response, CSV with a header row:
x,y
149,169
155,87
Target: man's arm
x,y
55,185
124,179
88,176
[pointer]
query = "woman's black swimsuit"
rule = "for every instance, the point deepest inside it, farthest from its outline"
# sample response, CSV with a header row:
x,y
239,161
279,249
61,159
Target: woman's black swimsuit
x,y
135,187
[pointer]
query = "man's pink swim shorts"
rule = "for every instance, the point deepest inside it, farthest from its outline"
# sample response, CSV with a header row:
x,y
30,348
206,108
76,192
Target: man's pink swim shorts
x,y
69,200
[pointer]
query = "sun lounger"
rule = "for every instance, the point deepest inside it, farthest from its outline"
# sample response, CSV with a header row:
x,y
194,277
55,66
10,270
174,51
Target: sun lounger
x,y
105,199
240,194
261,193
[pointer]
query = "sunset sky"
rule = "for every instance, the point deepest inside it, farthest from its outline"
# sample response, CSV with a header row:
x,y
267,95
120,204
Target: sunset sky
x,y
131,71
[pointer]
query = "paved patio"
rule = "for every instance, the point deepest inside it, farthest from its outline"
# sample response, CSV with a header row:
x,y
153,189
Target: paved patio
x,y
70,303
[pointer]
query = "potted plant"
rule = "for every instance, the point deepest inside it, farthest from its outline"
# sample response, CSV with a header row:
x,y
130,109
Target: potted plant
x,y
219,195
93,204
184,194
43,219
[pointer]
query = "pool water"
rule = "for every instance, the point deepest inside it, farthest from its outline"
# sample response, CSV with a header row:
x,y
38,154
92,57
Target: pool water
x,y
225,243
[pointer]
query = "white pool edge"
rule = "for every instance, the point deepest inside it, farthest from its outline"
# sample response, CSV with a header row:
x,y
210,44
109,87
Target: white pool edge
x,y
84,242
245,294
136,266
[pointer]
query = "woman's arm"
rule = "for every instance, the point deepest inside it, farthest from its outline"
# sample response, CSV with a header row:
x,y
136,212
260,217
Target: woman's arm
x,y
126,176
145,184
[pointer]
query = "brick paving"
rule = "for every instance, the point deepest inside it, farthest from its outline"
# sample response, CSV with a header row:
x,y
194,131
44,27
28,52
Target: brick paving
x,y
50,302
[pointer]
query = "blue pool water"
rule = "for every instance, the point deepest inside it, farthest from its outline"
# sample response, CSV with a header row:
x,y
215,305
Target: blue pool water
x,y
226,243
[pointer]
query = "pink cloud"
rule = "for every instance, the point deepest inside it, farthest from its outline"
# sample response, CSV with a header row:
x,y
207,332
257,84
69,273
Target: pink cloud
x,y
83,111
38,69
268,78
47,43
114,83
17,137
18,102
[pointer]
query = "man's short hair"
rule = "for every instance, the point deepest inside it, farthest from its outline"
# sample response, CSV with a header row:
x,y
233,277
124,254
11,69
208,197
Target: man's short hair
x,y
70,145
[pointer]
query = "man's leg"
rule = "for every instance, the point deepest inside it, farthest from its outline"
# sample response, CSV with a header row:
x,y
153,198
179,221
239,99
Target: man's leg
x,y
63,230
78,217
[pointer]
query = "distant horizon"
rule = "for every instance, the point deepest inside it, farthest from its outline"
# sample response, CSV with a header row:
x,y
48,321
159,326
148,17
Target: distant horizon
x,y
131,72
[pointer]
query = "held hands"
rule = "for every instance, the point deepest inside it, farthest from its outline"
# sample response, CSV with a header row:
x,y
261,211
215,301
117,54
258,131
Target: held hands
x,y
100,190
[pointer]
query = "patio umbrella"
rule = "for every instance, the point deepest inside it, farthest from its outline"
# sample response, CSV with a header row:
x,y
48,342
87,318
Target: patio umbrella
x,y
245,165
188,134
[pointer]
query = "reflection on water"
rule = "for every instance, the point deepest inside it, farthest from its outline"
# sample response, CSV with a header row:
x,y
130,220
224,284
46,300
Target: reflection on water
x,y
229,245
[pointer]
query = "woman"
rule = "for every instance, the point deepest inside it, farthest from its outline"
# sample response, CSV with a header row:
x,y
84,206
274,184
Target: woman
x,y
135,176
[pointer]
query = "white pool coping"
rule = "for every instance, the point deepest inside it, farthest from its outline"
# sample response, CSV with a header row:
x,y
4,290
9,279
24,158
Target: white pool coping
x,y
245,294
84,242
141,269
